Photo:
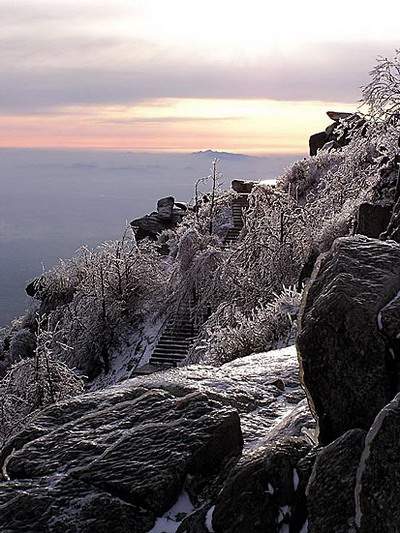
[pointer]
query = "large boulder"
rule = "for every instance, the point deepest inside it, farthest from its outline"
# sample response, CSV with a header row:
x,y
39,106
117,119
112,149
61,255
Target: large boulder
x,y
330,492
262,491
378,487
113,460
348,368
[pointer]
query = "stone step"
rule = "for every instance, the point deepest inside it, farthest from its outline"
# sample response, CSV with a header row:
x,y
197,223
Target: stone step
x,y
180,327
184,339
170,339
171,355
162,350
164,361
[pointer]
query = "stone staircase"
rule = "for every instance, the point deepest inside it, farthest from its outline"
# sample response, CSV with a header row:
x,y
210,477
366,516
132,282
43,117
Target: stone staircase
x,y
173,345
238,204
179,332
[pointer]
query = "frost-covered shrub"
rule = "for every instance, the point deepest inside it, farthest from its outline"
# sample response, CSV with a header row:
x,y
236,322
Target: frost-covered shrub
x,y
114,286
34,383
230,334
381,97
305,174
22,344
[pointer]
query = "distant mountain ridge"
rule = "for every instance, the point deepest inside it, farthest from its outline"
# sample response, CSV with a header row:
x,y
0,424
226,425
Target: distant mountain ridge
x,y
221,155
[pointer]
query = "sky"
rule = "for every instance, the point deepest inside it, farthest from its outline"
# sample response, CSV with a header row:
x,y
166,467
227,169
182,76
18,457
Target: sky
x,y
181,75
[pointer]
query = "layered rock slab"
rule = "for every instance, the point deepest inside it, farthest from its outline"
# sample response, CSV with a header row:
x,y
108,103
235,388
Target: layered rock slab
x,y
131,449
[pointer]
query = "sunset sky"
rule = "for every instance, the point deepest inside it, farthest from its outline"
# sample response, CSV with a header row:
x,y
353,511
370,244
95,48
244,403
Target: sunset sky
x,y
253,77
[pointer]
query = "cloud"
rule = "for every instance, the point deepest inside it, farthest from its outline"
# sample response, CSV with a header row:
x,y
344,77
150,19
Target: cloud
x,y
332,73
94,52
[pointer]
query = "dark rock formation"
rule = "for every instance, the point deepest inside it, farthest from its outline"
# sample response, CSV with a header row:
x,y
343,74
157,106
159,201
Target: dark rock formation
x,y
331,136
112,460
330,492
346,365
168,215
261,492
378,487
241,186
372,219
317,141
165,207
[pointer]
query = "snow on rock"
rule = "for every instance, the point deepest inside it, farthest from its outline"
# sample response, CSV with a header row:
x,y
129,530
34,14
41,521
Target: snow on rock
x,y
295,479
252,385
145,439
208,522
133,353
170,520
103,452
304,529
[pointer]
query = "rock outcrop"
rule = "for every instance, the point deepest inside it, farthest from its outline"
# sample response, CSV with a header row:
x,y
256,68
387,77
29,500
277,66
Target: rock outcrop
x,y
120,458
373,219
242,186
349,369
168,215
264,388
330,138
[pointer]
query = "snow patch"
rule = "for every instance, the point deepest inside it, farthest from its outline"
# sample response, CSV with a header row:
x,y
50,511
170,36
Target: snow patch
x,y
271,489
295,479
304,529
171,520
379,320
283,517
208,522
379,316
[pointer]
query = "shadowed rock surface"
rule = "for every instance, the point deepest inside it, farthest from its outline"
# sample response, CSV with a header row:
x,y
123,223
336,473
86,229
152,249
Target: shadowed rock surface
x,y
261,492
378,488
348,369
330,492
373,219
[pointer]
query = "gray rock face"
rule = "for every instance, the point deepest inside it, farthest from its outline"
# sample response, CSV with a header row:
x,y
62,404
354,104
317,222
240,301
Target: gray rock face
x,y
378,488
261,492
124,449
330,492
393,229
346,364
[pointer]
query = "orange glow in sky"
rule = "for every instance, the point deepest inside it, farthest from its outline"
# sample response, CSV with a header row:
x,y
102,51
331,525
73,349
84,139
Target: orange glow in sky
x,y
250,76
